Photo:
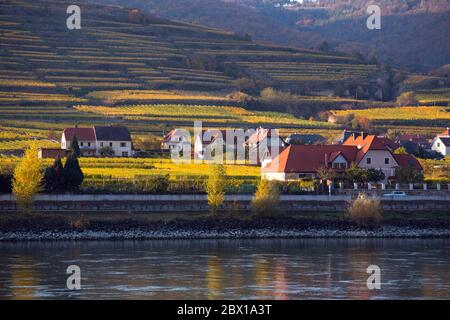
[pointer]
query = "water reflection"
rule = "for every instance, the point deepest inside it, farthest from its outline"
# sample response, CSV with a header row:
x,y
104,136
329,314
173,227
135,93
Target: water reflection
x,y
227,269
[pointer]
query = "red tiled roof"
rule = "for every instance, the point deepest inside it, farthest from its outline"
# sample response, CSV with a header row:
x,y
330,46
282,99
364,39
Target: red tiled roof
x,y
445,133
53,153
407,161
309,158
81,133
365,144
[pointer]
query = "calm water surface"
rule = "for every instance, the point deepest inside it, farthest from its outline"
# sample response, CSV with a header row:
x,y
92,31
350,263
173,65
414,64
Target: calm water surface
x,y
226,269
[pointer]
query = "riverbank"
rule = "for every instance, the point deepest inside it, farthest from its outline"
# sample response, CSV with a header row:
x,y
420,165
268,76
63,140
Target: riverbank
x,y
40,227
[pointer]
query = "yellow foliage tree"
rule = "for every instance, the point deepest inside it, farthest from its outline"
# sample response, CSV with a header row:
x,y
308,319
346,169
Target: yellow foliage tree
x,y
27,180
266,197
215,186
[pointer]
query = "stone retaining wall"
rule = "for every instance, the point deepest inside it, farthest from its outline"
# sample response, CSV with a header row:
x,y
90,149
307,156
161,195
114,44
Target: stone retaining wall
x,y
186,202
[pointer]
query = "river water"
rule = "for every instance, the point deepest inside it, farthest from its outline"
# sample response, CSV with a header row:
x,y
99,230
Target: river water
x,y
227,269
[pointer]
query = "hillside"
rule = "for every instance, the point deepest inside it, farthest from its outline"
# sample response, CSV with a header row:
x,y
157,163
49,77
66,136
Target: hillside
x,y
412,35
133,62
121,48
152,74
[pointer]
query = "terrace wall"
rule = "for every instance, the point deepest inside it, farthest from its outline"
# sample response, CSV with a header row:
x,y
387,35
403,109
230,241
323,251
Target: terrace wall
x,y
197,203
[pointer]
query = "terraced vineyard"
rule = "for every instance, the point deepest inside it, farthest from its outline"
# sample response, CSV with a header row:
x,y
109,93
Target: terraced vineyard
x,y
414,116
434,96
123,67
171,113
121,49
150,74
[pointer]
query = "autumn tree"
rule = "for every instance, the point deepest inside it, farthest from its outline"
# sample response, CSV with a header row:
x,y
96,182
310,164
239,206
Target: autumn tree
x,y
27,180
215,186
407,99
266,197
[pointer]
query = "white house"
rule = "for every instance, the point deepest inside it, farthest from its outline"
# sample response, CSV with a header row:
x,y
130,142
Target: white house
x,y
174,138
97,140
441,145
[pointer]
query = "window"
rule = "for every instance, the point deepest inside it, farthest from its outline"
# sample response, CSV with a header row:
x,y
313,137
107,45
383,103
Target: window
x,y
369,160
101,144
89,144
124,154
438,144
123,144
81,143
339,165
386,160
110,144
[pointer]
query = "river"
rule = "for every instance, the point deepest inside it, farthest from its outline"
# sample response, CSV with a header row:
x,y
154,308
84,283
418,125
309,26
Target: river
x,y
227,269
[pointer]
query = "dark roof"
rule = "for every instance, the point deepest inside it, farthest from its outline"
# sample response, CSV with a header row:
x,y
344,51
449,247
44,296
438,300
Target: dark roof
x,y
81,133
445,141
348,133
407,161
112,133
391,144
53,153
297,138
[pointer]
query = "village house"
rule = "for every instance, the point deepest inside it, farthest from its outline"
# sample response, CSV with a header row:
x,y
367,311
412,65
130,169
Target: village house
x,y
100,140
366,151
262,141
173,139
258,142
441,143
209,143
413,142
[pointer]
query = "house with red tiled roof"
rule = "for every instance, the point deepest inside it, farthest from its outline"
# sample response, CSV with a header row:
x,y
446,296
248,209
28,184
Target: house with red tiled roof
x,y
93,141
86,140
366,151
445,133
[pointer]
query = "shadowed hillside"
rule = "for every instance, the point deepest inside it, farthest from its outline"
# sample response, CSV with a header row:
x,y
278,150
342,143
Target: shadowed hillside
x,y
414,33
